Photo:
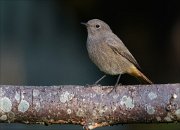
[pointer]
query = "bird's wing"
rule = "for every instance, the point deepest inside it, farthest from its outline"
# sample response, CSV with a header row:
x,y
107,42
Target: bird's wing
x,y
119,48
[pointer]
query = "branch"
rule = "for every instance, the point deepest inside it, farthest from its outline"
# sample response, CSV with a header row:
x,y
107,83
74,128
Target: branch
x,y
91,107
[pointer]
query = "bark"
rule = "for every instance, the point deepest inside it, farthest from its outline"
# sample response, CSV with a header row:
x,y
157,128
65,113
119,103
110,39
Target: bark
x,y
90,106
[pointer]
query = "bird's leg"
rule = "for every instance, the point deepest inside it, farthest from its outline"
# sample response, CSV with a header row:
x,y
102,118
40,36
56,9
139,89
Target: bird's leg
x,y
118,80
100,79
96,83
114,88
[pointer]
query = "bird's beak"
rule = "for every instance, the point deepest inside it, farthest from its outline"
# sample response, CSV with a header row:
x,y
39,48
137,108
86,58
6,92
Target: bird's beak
x,y
84,24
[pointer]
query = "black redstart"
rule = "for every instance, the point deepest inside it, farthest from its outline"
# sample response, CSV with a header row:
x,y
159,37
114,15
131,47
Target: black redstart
x,y
109,53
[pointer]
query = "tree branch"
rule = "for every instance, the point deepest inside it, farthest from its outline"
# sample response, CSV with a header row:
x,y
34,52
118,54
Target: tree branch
x,y
91,107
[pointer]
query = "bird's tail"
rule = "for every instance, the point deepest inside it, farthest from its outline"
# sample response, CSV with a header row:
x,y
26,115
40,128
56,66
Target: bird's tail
x,y
138,74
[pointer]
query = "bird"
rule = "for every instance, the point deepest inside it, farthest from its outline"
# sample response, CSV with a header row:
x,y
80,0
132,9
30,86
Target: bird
x,y
108,52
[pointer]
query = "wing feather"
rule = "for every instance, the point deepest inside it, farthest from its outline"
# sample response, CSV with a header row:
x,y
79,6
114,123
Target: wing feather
x,y
119,48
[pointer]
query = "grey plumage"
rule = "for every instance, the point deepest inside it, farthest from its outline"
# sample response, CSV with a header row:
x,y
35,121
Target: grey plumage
x,y
108,52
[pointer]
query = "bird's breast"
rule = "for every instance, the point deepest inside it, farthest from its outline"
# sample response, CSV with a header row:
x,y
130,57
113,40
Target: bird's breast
x,y
105,58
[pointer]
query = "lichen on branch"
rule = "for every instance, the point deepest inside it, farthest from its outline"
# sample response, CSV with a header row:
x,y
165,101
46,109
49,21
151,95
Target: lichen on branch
x,y
92,107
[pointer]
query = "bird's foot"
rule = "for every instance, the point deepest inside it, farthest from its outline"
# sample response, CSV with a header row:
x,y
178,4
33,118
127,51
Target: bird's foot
x,y
92,85
114,88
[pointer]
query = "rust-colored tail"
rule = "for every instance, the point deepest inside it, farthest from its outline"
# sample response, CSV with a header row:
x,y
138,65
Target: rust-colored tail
x,y
135,72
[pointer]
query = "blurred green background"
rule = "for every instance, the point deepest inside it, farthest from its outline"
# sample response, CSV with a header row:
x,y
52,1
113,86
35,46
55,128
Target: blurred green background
x,y
43,43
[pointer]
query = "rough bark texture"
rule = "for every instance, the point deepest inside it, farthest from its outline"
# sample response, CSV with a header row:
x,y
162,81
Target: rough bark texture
x,y
92,106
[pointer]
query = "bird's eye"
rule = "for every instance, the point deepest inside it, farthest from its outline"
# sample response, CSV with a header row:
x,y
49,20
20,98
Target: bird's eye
x,y
97,26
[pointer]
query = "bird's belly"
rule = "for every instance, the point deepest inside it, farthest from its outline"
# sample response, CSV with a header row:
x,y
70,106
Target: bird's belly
x,y
108,61
109,64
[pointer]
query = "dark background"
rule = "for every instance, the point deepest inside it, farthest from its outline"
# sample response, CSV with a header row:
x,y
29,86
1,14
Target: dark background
x,y
43,43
